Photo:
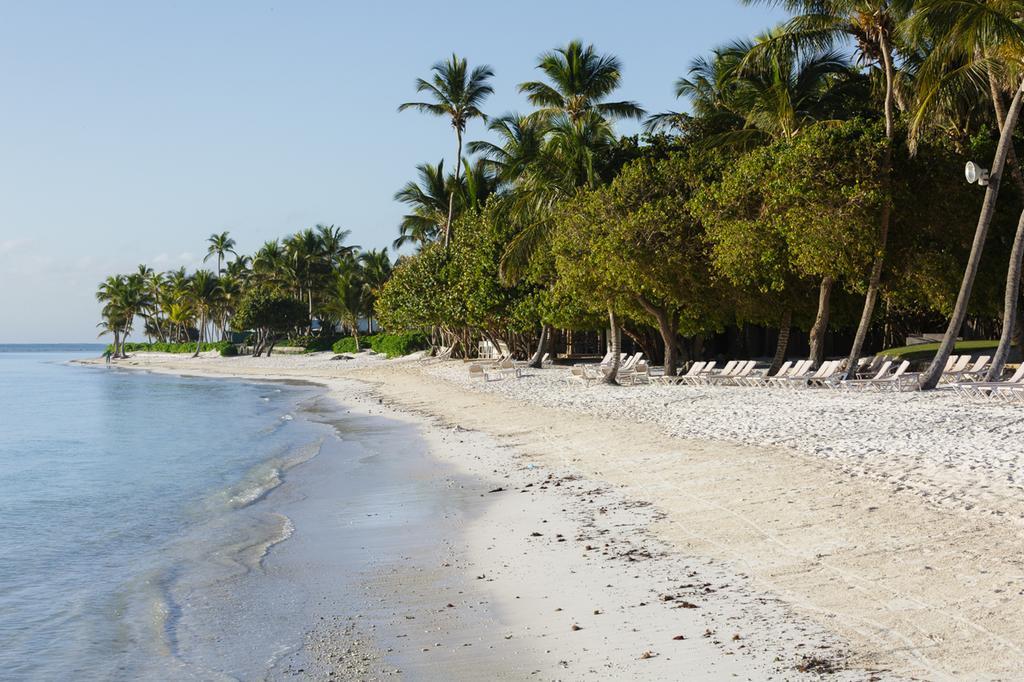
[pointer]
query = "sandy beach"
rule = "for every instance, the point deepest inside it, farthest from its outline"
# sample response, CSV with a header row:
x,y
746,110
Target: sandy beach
x,y
862,535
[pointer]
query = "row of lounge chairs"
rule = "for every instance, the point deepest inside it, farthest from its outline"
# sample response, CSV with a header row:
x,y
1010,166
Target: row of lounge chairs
x,y
503,367
633,369
962,374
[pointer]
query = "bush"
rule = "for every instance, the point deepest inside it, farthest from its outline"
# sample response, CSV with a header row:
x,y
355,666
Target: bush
x,y
225,348
347,345
395,345
391,345
312,344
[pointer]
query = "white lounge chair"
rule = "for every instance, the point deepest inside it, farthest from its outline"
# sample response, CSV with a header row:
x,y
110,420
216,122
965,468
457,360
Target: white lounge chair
x,y
740,372
1009,389
762,379
977,370
823,373
695,369
692,379
883,370
801,369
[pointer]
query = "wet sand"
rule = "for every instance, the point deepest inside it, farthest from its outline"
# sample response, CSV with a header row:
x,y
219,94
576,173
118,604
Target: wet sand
x,y
448,551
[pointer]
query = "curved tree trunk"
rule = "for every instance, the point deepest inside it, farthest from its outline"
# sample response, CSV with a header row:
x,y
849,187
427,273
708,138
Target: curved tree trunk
x,y
537,361
1013,272
874,280
1010,299
783,342
668,327
931,377
612,376
818,331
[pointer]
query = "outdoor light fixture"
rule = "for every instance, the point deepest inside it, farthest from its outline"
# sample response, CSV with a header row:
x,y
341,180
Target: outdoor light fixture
x,y
976,174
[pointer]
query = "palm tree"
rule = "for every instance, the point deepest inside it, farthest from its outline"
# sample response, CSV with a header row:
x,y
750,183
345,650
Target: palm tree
x,y
428,200
580,81
376,269
457,93
204,295
520,143
871,25
112,293
351,299
220,245
961,30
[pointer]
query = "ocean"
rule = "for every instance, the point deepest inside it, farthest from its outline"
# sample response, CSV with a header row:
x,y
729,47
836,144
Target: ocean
x,y
131,511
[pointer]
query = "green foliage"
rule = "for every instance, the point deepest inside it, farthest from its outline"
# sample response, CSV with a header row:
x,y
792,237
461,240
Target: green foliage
x,y
265,308
396,345
225,348
346,345
391,345
788,215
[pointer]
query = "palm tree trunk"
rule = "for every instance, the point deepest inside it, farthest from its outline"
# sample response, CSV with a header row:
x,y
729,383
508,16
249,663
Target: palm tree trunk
x,y
874,280
931,378
821,322
612,376
1013,271
1010,300
537,361
199,341
783,342
451,197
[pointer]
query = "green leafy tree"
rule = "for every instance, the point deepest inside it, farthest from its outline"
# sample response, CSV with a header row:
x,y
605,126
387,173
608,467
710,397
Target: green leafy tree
x,y
269,313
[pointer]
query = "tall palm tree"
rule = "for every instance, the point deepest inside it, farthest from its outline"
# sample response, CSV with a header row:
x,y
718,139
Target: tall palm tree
x,y
204,295
457,93
580,82
220,245
871,25
962,30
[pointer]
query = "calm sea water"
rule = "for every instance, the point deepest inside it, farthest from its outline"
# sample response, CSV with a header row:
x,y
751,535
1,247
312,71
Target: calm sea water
x,y
122,497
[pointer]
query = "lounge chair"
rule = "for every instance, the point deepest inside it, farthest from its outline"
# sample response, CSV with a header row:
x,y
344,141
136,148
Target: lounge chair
x,y
976,372
695,369
762,379
504,369
724,372
693,379
1009,389
828,369
883,370
800,370
895,381
952,370
739,373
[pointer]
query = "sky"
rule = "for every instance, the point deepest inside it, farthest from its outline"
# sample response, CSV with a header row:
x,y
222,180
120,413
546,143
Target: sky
x,y
131,131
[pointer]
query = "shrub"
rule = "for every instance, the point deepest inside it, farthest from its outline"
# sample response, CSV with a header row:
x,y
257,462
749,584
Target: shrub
x,y
348,344
312,344
225,348
395,345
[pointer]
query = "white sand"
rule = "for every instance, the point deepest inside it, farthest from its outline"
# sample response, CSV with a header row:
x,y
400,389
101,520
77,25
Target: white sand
x,y
892,520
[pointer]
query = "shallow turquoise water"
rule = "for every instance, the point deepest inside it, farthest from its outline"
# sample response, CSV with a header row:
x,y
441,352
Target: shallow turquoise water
x,y
113,484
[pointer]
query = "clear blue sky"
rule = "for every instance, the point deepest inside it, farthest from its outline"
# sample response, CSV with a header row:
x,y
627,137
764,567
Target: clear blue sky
x,y
130,131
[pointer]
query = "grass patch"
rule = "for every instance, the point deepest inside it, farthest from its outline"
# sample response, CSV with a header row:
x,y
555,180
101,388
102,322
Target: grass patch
x,y
926,351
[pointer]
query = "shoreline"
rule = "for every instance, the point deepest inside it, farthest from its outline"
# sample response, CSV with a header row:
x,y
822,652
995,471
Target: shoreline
x,y
914,588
